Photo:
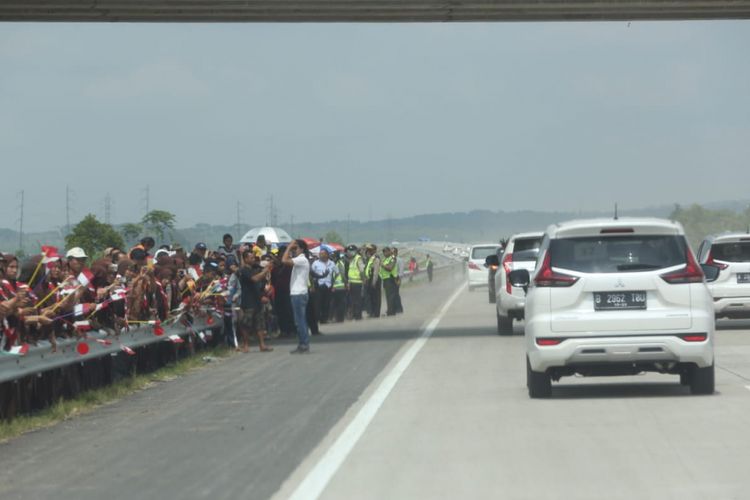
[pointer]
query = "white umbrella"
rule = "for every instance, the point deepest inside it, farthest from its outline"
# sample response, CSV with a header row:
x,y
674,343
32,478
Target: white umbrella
x,y
272,234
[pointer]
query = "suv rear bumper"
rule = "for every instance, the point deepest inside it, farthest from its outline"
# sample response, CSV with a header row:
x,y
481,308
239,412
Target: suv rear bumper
x,y
616,350
732,306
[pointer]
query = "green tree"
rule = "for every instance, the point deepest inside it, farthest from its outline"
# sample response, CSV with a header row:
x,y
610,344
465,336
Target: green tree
x,y
130,231
93,236
159,222
333,237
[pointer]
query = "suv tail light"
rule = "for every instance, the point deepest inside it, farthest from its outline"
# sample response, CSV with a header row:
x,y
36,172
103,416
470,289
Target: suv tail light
x,y
473,265
542,341
710,260
694,337
507,260
691,273
546,277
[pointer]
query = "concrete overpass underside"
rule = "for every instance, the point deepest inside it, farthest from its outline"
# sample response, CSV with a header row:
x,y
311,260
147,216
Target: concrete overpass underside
x,y
368,10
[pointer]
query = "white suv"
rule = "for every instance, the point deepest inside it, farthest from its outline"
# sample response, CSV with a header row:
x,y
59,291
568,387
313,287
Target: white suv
x,y
476,272
520,253
617,297
730,253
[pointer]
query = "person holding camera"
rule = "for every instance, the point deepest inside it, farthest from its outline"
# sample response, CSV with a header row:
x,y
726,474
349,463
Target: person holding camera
x,y
296,258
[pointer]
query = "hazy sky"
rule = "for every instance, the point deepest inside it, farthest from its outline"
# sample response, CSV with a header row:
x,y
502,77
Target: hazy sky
x,y
370,120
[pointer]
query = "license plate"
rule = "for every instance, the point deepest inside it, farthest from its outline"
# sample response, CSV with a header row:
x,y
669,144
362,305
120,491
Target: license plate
x,y
743,277
617,301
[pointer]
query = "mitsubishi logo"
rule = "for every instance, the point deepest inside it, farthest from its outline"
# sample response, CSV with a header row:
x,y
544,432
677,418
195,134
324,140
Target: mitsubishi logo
x,y
619,284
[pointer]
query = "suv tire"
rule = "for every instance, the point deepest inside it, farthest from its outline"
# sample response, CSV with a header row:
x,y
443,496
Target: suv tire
x,y
504,325
539,384
702,380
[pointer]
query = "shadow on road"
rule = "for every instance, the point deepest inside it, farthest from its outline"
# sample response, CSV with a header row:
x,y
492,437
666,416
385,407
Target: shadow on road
x,y
733,324
389,335
620,390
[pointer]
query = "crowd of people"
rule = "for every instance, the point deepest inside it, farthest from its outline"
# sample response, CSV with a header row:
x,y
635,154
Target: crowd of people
x,y
262,290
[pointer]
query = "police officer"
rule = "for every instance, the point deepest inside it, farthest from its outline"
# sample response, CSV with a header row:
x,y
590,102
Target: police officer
x,y
355,274
338,290
388,274
373,281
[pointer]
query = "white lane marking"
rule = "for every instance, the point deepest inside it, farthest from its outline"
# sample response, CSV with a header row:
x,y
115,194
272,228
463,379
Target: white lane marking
x,y
312,486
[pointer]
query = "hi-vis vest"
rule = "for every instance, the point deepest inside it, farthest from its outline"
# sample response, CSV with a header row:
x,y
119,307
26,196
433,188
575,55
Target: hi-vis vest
x,y
369,266
384,273
355,277
338,281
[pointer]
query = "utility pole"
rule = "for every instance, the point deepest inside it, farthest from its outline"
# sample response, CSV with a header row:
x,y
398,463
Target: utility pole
x,y
108,209
147,198
20,225
238,221
67,210
272,213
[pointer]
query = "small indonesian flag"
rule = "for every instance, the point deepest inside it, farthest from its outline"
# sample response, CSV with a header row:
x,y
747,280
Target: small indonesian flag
x,y
104,341
175,339
50,254
86,278
202,336
19,350
127,350
82,309
118,294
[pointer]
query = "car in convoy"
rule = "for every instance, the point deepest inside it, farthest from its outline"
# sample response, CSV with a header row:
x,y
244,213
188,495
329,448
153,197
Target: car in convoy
x,y
476,256
520,253
730,253
617,297
492,263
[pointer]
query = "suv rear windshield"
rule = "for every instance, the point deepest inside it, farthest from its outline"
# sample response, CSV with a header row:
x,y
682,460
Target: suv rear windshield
x,y
616,254
482,253
731,252
526,249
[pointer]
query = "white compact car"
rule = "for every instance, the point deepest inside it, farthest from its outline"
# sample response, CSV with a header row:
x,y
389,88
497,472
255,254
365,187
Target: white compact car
x,y
476,271
731,289
618,297
520,253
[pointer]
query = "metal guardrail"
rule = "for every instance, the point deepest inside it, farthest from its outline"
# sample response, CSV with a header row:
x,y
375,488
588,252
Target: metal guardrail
x,y
41,358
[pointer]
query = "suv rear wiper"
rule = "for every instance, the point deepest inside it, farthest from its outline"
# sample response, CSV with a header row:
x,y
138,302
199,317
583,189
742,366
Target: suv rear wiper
x,y
635,267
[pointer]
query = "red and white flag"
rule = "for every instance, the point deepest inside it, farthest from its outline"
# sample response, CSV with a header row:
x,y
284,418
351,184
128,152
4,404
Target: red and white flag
x,y
175,339
104,341
19,350
118,294
127,350
86,278
82,309
82,326
50,254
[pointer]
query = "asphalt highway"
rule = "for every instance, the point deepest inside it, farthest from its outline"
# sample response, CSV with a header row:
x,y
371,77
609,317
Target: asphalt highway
x,y
430,404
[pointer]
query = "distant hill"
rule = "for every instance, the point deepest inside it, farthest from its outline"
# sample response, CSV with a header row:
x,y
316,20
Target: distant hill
x,y
466,227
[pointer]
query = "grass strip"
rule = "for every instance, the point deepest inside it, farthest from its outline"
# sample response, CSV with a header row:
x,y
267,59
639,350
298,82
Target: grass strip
x,y
90,400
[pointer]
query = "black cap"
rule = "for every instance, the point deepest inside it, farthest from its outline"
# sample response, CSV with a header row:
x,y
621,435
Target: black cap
x,y
201,246
352,248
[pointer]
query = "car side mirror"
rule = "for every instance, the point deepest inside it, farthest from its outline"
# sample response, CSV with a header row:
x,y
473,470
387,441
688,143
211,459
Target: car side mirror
x,y
491,260
711,272
520,277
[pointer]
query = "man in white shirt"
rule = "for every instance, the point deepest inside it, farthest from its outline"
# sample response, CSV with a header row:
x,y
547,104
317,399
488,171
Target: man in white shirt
x,y
295,256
